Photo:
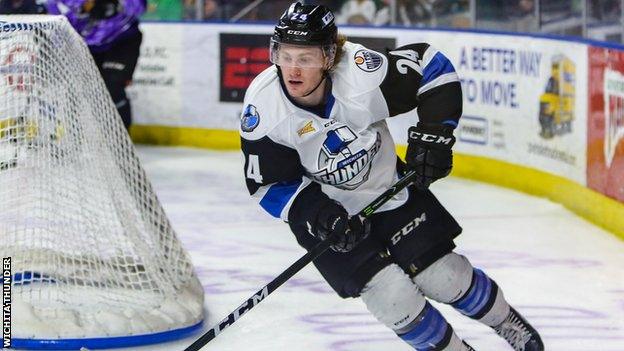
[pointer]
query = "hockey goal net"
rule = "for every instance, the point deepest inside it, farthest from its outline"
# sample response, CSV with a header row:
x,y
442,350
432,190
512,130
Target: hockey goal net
x,y
95,262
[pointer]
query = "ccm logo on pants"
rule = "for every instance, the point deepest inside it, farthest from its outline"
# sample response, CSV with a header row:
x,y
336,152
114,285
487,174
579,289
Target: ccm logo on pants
x,y
408,228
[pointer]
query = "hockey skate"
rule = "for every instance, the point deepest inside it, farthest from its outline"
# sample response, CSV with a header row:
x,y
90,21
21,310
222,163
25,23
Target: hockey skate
x,y
519,333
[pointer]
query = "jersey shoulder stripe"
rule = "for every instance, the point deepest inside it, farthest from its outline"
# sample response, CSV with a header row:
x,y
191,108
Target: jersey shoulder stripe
x,y
437,70
435,67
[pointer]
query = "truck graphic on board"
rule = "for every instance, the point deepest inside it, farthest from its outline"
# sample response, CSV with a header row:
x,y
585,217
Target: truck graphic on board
x,y
556,112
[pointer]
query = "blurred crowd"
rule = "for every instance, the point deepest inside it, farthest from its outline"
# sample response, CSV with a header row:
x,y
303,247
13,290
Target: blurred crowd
x,y
550,16
363,12
451,13
519,15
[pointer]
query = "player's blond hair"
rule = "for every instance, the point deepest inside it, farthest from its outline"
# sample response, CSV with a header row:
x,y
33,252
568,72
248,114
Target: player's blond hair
x,y
340,41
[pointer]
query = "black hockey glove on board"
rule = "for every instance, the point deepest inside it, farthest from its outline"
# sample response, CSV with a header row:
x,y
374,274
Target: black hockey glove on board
x,y
345,233
429,152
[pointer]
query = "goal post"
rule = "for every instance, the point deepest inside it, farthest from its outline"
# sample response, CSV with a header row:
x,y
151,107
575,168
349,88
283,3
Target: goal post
x,y
95,261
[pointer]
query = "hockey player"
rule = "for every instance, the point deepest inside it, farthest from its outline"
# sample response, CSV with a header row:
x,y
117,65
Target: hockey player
x,y
317,150
111,30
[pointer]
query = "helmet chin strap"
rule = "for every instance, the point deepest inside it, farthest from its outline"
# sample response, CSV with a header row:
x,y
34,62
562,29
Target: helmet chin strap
x,y
318,85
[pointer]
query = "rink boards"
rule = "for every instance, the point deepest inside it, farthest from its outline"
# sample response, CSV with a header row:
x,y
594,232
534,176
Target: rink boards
x,y
541,114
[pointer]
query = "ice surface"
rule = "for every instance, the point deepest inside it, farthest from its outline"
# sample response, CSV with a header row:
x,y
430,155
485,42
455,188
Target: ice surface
x,y
563,273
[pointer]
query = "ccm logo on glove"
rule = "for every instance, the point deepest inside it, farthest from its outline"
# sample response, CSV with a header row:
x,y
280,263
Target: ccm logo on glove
x,y
429,152
431,138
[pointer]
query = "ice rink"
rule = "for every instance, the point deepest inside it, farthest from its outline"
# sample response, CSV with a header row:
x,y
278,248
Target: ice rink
x,y
563,273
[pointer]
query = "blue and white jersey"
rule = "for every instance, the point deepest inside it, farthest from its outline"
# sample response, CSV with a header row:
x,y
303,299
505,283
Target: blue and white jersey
x,y
346,151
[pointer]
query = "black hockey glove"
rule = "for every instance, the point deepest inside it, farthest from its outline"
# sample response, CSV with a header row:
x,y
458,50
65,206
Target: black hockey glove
x,y
429,152
345,233
103,9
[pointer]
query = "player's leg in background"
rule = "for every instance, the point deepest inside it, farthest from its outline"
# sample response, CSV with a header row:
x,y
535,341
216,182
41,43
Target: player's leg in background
x,y
452,280
117,66
397,303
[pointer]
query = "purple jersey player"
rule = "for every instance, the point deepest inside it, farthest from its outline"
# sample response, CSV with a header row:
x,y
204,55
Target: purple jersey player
x,y
111,30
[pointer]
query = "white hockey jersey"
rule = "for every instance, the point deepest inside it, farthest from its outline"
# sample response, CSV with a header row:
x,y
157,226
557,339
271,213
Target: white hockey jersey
x,y
348,149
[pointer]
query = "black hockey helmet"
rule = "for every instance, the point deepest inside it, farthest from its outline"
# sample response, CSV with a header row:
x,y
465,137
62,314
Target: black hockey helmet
x,y
306,25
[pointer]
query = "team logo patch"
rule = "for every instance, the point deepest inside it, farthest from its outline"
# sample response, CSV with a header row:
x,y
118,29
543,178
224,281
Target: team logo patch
x,y
307,128
342,165
250,119
368,61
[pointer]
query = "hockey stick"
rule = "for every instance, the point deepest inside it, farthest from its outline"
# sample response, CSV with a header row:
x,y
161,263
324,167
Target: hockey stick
x,y
294,268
